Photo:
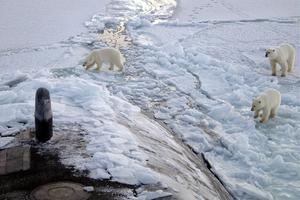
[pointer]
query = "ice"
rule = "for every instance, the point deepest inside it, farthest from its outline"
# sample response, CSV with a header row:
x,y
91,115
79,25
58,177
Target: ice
x,y
145,195
225,59
120,141
60,24
248,191
9,132
197,73
7,97
4,141
99,172
16,81
132,175
234,10
88,188
2,129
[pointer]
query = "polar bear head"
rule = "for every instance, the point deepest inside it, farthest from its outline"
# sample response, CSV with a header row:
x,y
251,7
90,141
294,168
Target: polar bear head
x,y
89,61
271,53
258,103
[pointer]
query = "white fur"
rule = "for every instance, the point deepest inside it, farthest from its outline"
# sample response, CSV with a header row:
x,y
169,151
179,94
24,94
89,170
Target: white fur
x,y
268,103
110,55
284,55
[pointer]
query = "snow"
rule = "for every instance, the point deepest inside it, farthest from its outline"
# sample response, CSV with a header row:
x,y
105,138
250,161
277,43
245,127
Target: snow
x,y
114,132
210,83
9,132
4,141
232,84
196,72
194,11
44,22
153,195
88,188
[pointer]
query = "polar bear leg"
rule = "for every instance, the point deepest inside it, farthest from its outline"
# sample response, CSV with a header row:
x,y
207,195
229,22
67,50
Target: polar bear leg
x,y
99,65
119,65
265,115
291,63
274,111
111,66
283,68
256,114
273,64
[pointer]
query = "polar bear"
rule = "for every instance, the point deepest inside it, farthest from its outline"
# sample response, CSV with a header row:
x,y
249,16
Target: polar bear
x,y
110,55
267,103
284,55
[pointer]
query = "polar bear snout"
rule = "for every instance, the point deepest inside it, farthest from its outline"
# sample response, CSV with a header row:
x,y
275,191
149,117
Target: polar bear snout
x,y
84,64
269,51
267,54
253,108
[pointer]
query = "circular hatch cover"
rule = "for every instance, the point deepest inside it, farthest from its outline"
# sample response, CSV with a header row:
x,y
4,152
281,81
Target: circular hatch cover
x,y
60,191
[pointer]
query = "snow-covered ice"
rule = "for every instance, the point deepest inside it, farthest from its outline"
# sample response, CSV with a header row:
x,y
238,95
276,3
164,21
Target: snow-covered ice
x,y
120,142
4,141
199,74
24,26
153,195
88,188
196,70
